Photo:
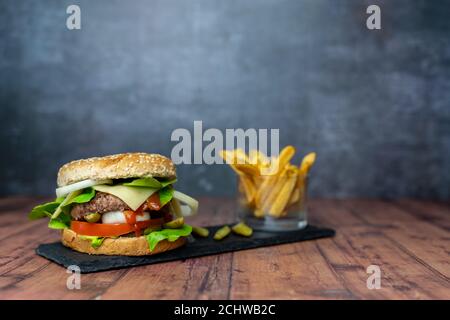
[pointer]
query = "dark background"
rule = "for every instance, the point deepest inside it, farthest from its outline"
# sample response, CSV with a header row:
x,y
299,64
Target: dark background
x,y
374,105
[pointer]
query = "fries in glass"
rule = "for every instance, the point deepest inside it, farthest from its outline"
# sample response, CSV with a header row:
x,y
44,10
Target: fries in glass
x,y
271,190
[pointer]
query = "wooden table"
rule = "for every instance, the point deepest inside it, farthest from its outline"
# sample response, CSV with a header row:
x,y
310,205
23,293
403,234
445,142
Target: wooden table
x,y
409,240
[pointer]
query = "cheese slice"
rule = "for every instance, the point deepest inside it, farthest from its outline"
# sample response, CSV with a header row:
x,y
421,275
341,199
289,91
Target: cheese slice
x,y
134,197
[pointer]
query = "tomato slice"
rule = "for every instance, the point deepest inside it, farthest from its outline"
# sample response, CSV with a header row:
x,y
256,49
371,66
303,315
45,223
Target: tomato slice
x,y
111,230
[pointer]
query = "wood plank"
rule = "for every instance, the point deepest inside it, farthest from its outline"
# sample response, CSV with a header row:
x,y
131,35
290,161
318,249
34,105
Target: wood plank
x,y
290,271
16,250
372,212
14,214
402,276
200,278
426,244
22,271
421,238
56,276
347,256
436,213
50,282
329,212
408,239
350,271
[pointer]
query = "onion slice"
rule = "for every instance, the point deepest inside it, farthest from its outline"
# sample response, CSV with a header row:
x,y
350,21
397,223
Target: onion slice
x,y
175,208
63,191
114,217
191,202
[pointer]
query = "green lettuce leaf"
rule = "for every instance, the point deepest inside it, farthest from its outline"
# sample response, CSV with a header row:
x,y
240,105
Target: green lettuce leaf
x,y
44,210
84,197
170,234
56,224
165,195
150,183
166,182
144,182
79,196
49,208
61,222
95,241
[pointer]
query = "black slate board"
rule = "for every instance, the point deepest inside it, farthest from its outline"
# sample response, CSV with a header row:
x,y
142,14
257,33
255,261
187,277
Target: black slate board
x,y
56,252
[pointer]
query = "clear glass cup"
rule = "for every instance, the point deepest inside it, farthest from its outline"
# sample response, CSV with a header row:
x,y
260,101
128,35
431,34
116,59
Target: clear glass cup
x,y
277,207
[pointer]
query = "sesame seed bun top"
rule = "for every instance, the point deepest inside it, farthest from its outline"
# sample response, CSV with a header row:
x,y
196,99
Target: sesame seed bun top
x,y
117,166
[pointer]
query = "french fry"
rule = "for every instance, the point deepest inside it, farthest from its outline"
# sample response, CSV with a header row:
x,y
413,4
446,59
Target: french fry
x,y
283,196
296,195
253,157
230,158
278,163
307,163
264,189
258,158
305,166
240,157
233,159
246,182
275,189
257,181
285,156
248,169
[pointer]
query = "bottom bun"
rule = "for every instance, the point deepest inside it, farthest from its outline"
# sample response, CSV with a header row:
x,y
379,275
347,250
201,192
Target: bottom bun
x,y
122,246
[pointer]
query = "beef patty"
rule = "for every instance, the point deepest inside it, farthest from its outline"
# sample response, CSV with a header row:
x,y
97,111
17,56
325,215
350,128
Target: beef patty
x,y
101,203
105,202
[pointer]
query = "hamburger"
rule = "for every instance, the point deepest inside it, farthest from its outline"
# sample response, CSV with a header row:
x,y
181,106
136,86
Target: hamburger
x,y
123,204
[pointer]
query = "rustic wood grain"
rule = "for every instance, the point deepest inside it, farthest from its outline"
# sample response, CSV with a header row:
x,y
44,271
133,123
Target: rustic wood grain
x,y
421,238
408,239
200,278
437,213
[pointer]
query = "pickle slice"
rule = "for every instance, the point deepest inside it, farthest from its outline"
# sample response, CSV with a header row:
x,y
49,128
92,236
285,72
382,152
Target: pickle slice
x,y
222,233
201,232
92,217
174,224
242,229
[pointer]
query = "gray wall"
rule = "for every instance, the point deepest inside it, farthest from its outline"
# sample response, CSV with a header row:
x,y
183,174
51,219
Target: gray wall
x,y
374,105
